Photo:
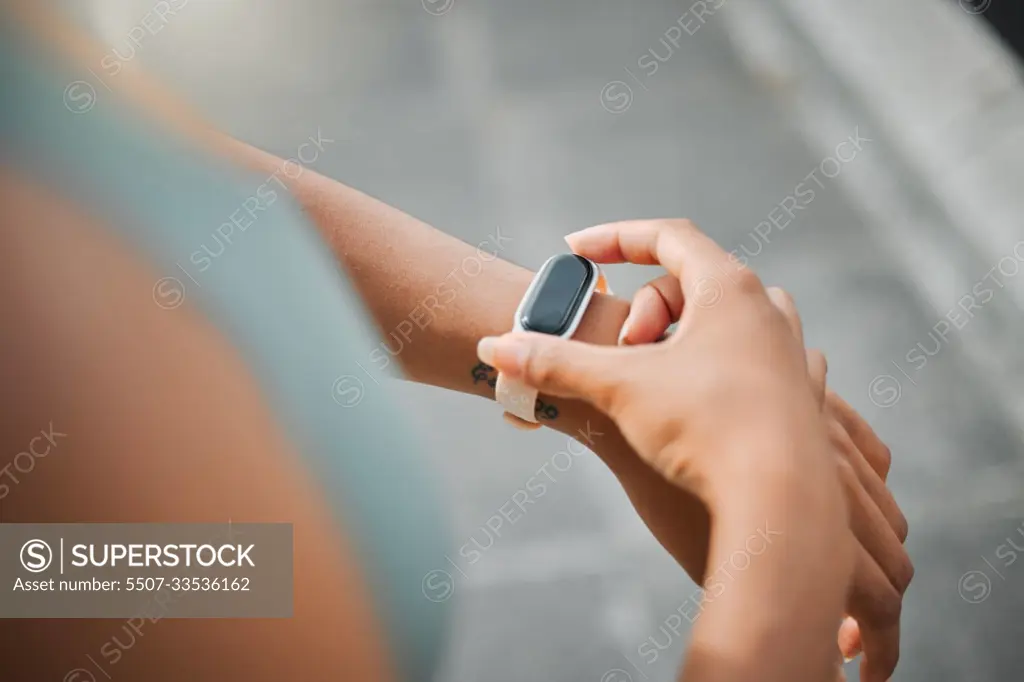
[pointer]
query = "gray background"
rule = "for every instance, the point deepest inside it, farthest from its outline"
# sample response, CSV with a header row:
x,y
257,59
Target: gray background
x,y
490,114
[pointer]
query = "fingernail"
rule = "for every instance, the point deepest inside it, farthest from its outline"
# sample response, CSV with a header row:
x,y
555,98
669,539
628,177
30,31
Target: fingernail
x,y
849,639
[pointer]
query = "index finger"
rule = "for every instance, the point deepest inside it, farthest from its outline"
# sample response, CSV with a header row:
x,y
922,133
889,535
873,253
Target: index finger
x,y
676,245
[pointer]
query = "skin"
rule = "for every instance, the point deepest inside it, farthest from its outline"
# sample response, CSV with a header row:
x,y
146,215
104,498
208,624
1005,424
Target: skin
x,y
376,244
726,409
884,569
164,424
725,349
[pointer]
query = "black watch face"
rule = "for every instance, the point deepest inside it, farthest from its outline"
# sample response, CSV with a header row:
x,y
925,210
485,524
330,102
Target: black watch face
x,y
561,287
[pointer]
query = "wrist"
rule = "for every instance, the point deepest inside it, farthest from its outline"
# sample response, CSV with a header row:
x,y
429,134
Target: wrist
x,y
600,325
801,484
773,451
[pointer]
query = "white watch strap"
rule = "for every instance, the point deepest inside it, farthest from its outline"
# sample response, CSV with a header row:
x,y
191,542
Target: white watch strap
x,y
516,397
519,399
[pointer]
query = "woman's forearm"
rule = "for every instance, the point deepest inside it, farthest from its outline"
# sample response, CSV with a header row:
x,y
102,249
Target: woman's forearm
x,y
431,303
434,296
779,563
417,284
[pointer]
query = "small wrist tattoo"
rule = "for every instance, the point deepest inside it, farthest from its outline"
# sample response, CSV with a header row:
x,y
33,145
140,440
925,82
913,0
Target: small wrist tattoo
x,y
482,372
545,411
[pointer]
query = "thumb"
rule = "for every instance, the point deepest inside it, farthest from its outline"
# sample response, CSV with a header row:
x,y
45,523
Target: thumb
x,y
556,366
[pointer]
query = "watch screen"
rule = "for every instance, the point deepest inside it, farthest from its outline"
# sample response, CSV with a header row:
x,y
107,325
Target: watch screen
x,y
560,289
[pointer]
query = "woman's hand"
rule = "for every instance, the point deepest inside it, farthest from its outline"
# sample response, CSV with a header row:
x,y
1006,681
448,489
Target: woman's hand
x,y
724,408
731,376
883,567
863,459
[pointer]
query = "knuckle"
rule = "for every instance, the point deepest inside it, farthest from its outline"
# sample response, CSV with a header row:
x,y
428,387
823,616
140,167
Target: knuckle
x,y
669,460
747,281
676,229
837,435
782,298
607,397
675,470
902,528
874,599
847,474
904,573
816,357
540,367
884,458
888,608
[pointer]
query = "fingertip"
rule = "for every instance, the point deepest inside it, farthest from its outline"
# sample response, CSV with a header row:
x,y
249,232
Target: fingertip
x,y
650,315
578,239
485,349
599,243
506,353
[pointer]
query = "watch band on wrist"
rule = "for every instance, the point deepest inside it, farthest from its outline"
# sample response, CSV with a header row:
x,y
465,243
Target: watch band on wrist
x,y
554,303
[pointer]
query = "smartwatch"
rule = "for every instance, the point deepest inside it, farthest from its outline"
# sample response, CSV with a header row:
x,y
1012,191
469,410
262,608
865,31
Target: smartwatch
x,y
554,304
